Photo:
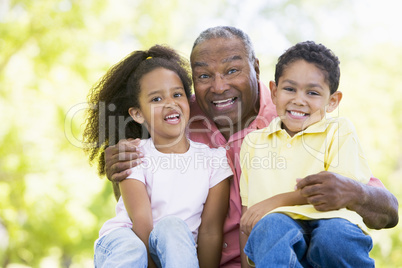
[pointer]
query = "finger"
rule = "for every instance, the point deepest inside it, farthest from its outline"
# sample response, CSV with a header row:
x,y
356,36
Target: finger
x,y
246,232
113,153
128,147
126,156
118,177
311,190
122,166
244,224
323,207
297,181
309,180
316,200
110,151
253,220
121,161
135,142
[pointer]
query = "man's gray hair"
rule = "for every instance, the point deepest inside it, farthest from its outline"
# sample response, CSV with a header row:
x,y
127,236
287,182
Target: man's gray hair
x,y
227,32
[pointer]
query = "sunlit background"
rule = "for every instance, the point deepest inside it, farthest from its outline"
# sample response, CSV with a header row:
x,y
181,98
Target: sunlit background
x,y
52,203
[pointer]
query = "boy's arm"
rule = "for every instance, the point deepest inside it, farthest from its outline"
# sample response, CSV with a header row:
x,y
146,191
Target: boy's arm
x,y
210,233
330,191
243,242
138,206
253,214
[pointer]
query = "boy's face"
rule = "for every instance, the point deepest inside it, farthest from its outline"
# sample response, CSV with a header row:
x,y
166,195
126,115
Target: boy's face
x,y
302,96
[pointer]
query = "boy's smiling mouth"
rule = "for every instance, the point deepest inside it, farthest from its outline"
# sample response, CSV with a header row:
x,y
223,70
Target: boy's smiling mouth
x,y
297,113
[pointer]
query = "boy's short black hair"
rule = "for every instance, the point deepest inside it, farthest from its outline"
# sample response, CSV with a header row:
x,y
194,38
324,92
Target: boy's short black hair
x,y
318,54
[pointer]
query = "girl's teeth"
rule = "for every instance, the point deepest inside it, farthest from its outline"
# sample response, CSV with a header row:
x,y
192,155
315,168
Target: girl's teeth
x,y
172,116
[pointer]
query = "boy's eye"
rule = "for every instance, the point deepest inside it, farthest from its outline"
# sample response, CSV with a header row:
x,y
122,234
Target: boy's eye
x,y
313,93
288,89
156,99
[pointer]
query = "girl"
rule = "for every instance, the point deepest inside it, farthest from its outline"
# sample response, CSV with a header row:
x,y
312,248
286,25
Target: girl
x,y
177,198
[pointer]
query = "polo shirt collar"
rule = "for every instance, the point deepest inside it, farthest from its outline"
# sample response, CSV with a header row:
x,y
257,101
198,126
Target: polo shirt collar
x,y
319,127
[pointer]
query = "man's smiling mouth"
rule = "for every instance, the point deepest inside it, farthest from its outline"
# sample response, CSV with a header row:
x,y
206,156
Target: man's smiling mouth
x,y
224,103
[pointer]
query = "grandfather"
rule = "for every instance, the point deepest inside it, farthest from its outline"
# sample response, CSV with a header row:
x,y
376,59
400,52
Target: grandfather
x,y
230,101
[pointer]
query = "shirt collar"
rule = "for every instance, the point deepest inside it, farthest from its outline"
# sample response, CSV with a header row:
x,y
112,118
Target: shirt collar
x,y
319,127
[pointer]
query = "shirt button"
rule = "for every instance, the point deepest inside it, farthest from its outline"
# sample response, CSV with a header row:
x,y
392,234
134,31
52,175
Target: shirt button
x,y
227,147
225,245
289,145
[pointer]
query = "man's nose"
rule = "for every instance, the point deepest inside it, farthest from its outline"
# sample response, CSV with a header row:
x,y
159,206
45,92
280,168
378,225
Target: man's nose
x,y
219,84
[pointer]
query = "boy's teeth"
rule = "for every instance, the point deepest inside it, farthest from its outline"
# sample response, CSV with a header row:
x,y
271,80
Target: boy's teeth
x,y
297,113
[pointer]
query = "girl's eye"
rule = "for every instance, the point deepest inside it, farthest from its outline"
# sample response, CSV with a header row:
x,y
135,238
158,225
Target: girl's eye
x,y
177,95
156,99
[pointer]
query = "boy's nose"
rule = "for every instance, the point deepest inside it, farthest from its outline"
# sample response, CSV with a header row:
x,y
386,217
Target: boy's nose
x,y
299,99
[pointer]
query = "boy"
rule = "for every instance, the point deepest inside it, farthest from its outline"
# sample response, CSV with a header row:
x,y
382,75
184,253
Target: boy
x,y
284,230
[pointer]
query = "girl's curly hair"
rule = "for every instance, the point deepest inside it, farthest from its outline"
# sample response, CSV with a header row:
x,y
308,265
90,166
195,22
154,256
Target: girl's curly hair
x,y
107,119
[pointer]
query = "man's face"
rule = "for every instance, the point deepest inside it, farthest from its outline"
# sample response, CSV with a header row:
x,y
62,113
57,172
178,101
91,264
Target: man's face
x,y
225,82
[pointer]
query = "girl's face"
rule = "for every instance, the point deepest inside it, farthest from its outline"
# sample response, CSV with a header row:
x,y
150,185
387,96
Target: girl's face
x,y
164,107
302,96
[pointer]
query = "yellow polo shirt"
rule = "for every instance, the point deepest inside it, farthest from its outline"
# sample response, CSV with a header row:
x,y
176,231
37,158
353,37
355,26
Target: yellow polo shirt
x,y
271,161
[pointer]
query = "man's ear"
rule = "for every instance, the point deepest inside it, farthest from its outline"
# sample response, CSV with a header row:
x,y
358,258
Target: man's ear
x,y
334,101
274,90
257,68
136,114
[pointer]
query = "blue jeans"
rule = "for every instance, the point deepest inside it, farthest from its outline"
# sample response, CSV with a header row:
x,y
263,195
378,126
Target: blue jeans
x,y
279,241
171,244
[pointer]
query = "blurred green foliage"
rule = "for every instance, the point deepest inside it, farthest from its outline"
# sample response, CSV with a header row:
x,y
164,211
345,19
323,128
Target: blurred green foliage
x,y
52,203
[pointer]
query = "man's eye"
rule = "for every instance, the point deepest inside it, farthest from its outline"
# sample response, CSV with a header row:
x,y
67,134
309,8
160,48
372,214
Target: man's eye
x,y
203,76
231,71
156,99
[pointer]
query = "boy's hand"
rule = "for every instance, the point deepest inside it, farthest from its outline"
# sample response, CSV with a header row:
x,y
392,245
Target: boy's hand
x,y
252,215
120,158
